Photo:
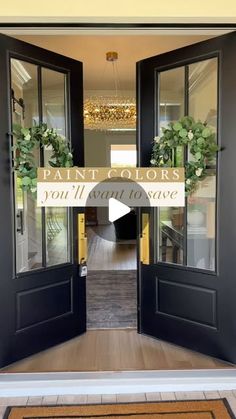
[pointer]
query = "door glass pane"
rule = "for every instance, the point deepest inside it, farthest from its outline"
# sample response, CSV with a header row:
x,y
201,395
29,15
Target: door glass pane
x,y
57,236
55,115
171,220
201,207
171,96
24,88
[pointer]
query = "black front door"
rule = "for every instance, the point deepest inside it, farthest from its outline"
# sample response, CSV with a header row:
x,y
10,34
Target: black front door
x,y
42,299
188,292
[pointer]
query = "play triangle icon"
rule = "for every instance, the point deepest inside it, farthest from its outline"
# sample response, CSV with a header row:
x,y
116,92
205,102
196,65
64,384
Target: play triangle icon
x,y
117,209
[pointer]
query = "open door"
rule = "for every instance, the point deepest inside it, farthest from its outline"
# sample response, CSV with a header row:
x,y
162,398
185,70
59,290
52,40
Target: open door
x,y
187,289
42,298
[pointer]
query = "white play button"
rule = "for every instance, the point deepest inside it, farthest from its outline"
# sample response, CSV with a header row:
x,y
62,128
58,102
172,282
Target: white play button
x,y
117,209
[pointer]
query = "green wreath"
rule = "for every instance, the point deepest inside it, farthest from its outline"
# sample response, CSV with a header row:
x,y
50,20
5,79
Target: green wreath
x,y
28,139
201,142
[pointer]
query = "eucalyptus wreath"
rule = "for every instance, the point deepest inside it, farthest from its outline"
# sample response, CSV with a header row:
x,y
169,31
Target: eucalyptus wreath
x,y
200,140
29,139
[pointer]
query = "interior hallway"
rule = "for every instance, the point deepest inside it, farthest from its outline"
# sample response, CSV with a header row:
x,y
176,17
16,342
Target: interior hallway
x,y
108,254
114,350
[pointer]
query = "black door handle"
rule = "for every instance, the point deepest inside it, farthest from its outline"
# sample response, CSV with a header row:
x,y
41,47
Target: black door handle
x,y
20,223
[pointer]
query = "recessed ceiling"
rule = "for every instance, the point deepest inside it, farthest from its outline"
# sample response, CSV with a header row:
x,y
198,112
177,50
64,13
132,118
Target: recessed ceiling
x,y
91,51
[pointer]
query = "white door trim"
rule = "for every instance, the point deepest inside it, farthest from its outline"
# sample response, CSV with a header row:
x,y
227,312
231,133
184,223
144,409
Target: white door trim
x,y
42,384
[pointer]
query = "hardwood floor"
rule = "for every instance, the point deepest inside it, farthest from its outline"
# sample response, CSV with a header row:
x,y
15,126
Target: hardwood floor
x,y
114,350
109,255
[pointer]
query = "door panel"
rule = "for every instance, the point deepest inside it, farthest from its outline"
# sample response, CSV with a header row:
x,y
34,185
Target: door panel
x,y
42,298
187,292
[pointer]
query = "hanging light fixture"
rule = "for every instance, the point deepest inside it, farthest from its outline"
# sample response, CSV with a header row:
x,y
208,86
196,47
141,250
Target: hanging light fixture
x,y
110,112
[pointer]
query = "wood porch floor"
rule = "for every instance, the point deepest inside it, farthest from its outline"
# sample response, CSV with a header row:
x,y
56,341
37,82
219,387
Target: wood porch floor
x,y
114,350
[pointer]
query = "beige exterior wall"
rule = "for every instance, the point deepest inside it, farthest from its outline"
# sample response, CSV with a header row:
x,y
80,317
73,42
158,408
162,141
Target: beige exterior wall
x,y
123,10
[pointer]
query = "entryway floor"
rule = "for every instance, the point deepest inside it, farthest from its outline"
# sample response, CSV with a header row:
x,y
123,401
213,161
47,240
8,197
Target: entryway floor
x,y
109,254
115,350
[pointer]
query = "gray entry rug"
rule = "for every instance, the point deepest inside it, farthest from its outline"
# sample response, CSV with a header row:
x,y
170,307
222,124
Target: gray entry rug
x,y
111,299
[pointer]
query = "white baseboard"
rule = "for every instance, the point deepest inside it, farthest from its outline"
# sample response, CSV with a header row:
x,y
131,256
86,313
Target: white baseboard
x,y
42,384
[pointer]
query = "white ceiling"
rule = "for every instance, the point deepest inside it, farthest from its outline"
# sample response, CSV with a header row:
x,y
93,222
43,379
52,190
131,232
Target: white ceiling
x,y
91,51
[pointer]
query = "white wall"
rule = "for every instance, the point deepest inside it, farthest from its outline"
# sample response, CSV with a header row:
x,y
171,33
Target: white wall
x,y
97,145
97,153
123,10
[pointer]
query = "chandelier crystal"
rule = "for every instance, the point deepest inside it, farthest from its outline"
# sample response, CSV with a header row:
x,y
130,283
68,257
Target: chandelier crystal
x,y
110,111
104,113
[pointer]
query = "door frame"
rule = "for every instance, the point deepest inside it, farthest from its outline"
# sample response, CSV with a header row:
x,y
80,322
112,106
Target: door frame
x,y
107,24
110,27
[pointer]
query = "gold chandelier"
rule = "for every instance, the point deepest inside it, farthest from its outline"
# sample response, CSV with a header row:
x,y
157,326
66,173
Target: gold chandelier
x,y
110,112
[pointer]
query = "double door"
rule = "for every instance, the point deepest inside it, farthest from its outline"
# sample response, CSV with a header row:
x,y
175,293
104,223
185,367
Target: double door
x,y
186,288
